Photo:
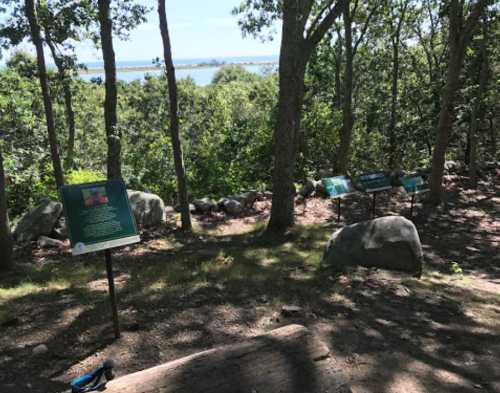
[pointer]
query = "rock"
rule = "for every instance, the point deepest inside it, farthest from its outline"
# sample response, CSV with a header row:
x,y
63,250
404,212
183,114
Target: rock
x,y
61,229
148,209
292,311
249,198
47,242
39,221
40,350
232,207
319,188
205,205
267,195
308,188
452,167
388,242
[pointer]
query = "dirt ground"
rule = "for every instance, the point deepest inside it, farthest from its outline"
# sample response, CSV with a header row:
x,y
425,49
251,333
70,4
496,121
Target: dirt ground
x,y
178,295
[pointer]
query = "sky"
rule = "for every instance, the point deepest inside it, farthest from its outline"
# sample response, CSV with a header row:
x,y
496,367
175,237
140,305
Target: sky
x,y
198,29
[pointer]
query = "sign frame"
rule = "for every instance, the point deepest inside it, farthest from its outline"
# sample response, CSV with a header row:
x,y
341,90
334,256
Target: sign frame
x,y
97,193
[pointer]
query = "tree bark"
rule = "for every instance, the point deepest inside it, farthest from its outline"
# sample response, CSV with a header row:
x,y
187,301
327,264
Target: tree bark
x,y
459,37
288,359
174,119
5,235
343,155
478,108
68,103
396,39
44,84
113,133
292,67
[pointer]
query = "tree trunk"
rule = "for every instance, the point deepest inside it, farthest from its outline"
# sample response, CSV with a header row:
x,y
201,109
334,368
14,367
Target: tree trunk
x,y
394,100
343,155
5,235
288,359
113,133
291,94
174,119
68,103
458,39
478,109
44,84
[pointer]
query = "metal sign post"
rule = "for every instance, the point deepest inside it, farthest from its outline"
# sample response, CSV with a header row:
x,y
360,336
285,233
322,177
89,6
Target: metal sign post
x,y
338,187
414,185
374,183
99,218
112,295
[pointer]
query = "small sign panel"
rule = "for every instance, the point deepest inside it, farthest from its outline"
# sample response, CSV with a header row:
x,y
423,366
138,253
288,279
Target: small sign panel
x,y
414,184
98,216
376,181
338,186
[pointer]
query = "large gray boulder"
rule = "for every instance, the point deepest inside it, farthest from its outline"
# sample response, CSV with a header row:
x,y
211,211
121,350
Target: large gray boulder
x,y
205,205
232,207
39,221
148,209
388,242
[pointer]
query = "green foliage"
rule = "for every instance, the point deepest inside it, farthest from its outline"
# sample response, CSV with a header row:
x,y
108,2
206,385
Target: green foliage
x,y
83,176
456,269
233,73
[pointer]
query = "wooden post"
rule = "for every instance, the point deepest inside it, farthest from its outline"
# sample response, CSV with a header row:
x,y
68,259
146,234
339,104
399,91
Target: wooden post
x,y
374,200
411,205
112,296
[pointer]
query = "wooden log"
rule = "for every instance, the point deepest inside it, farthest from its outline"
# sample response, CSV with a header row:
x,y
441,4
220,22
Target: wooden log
x,y
289,359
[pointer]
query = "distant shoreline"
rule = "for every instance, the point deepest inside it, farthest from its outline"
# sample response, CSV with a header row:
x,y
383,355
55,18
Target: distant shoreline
x,y
214,64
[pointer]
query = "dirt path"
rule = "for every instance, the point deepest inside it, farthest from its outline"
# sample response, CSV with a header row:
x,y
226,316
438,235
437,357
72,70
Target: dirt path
x,y
390,333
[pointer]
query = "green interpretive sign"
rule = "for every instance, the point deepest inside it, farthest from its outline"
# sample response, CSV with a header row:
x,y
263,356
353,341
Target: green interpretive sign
x,y
414,184
338,186
374,182
98,216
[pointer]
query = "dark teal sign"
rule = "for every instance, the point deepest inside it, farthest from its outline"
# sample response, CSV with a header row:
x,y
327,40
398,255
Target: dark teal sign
x,y
414,184
337,186
376,181
98,216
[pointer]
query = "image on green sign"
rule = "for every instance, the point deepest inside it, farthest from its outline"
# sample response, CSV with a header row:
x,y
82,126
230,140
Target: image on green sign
x,y
337,186
95,196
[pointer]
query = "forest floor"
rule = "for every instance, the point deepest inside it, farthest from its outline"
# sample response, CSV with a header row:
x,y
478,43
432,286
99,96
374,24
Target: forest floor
x,y
178,295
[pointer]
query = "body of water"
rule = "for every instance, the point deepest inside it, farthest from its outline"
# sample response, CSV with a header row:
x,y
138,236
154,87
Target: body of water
x,y
202,75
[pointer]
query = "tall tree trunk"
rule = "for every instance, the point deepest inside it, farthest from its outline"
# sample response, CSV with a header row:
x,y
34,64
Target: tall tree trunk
x,y
478,107
459,36
343,155
5,235
68,102
493,137
394,101
291,94
113,133
174,119
44,84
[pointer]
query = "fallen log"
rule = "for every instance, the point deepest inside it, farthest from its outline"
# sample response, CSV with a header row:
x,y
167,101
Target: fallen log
x,y
287,360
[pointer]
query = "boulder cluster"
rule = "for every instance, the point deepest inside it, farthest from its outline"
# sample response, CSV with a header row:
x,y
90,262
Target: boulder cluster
x,y
232,205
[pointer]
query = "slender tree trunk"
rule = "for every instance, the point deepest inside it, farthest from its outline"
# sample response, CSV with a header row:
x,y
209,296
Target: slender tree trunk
x,y
459,36
174,119
343,155
5,235
68,103
493,138
394,101
478,108
44,84
291,94
113,133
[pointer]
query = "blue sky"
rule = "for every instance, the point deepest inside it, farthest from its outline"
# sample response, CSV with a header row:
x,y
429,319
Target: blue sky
x,y
198,28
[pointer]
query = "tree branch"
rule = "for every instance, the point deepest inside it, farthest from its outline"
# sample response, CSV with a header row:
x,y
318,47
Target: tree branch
x,y
315,36
364,29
